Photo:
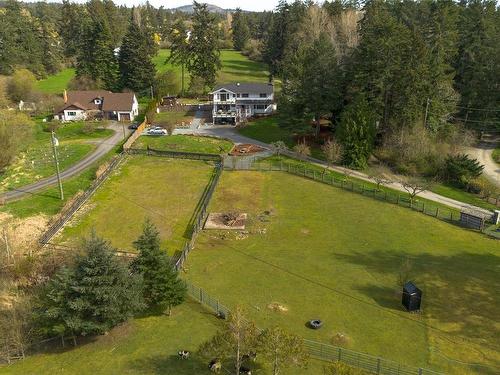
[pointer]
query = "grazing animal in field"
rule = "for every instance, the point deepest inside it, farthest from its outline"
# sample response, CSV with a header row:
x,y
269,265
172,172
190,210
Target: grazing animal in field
x,y
252,356
245,370
184,354
215,365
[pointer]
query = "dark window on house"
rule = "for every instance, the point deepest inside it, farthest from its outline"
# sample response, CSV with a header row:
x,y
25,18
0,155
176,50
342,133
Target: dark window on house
x,y
259,106
71,113
244,95
263,95
237,95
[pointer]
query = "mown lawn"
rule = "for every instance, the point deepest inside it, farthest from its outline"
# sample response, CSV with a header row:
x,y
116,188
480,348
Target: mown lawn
x,y
57,83
173,118
235,68
185,143
330,254
167,191
266,129
36,159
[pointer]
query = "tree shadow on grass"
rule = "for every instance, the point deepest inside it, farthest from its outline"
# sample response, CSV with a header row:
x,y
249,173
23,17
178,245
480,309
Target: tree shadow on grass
x,y
461,292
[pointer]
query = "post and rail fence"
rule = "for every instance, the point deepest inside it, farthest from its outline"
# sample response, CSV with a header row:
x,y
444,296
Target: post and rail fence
x,y
321,351
368,189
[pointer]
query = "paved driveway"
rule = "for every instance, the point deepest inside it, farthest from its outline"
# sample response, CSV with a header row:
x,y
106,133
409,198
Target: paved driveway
x,y
103,147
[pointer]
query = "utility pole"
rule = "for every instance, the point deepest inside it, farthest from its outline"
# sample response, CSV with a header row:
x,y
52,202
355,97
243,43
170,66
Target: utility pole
x,y
55,143
426,112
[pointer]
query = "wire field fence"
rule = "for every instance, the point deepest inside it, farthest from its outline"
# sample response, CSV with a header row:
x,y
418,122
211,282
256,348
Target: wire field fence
x,y
200,216
346,183
68,212
319,350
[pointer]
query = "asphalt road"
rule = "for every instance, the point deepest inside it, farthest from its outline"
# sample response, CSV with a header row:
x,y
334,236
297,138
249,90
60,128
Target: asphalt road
x,y
103,147
483,153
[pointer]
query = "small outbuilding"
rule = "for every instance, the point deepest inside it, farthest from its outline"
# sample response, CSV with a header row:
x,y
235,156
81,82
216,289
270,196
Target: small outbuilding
x,y
473,219
412,297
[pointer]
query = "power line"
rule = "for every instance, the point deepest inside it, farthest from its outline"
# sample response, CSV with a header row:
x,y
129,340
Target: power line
x,y
479,109
477,121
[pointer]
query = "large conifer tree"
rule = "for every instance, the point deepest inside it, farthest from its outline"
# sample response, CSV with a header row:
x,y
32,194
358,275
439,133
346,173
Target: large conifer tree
x,y
241,32
136,67
162,287
91,298
204,60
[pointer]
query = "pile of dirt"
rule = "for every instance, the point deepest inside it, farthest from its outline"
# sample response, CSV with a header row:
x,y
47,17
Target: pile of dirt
x,y
224,220
245,149
277,307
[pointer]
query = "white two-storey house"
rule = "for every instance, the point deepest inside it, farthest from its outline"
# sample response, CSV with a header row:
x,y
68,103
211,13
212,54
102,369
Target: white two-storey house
x,y
236,102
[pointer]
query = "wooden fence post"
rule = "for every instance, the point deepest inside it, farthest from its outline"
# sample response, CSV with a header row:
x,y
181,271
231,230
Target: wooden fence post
x,y
437,211
378,365
398,199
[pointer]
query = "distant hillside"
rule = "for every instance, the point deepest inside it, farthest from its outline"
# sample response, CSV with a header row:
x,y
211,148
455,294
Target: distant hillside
x,y
212,8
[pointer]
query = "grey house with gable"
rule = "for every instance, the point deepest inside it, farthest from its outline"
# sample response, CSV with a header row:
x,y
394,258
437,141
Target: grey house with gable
x,y
234,103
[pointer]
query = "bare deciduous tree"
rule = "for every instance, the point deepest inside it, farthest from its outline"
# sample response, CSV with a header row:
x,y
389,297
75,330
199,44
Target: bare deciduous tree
x,y
333,151
302,149
415,185
279,147
282,350
237,339
381,175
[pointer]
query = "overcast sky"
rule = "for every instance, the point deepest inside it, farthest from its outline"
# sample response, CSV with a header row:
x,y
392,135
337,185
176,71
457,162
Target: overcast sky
x,y
257,5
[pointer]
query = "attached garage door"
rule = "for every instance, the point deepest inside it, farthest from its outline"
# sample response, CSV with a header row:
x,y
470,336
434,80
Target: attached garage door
x,y
124,116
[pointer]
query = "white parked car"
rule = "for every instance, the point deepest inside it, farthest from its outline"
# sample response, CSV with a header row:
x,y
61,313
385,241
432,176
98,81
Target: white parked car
x,y
156,130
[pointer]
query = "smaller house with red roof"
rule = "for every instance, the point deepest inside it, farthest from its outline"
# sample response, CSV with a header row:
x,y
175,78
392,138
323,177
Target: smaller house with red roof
x,y
98,104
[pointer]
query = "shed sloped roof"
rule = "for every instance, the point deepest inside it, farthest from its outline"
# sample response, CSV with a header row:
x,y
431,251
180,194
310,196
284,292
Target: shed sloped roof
x,y
247,87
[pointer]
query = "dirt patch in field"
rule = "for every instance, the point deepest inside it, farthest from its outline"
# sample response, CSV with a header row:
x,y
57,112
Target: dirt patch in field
x,y
245,149
22,234
277,307
226,221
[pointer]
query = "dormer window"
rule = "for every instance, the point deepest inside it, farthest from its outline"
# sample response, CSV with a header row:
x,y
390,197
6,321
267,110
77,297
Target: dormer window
x,y
97,101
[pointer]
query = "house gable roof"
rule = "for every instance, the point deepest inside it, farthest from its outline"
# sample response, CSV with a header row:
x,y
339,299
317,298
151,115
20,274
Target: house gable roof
x,y
247,87
110,101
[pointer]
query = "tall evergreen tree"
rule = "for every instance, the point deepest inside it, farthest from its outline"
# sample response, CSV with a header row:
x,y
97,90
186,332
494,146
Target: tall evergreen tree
x,y
204,61
477,77
180,51
356,132
137,69
91,298
241,32
20,44
96,57
390,67
71,27
162,287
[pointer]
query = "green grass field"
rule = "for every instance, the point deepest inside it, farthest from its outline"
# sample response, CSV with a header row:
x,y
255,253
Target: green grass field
x,y
185,143
267,130
461,195
143,346
327,253
36,160
167,191
235,67
174,118
57,83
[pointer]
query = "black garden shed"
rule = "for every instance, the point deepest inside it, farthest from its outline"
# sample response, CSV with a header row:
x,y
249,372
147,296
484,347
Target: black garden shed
x,y
412,297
